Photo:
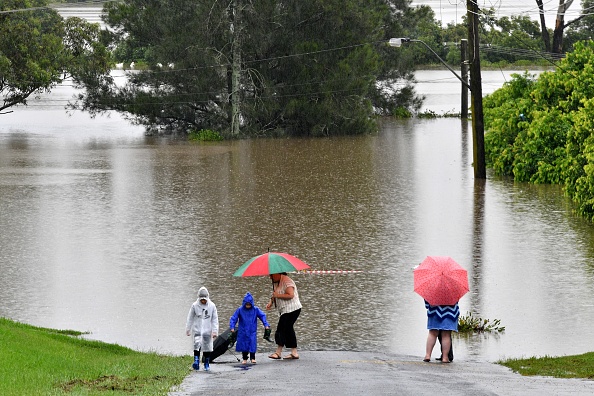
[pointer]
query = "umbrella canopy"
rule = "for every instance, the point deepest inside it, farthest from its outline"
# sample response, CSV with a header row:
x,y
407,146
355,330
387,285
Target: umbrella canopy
x,y
270,263
440,280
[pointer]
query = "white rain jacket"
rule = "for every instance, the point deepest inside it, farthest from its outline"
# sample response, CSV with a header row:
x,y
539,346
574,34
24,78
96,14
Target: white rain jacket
x,y
203,321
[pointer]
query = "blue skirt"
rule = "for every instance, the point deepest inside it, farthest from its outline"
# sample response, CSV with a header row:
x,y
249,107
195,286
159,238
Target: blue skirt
x,y
442,317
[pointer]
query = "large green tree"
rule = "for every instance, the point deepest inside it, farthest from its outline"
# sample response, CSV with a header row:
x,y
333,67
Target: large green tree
x,y
38,50
317,67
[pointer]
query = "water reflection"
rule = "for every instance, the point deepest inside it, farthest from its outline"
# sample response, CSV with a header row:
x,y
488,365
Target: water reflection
x,y
108,231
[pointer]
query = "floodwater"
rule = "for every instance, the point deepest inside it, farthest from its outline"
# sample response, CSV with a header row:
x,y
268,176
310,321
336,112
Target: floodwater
x,y
111,232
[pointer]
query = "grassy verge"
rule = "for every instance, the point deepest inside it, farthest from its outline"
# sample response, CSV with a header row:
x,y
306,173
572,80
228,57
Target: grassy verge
x,y
579,366
39,361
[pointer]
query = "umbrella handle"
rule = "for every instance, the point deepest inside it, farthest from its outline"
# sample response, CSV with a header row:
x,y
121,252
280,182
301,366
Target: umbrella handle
x,y
271,297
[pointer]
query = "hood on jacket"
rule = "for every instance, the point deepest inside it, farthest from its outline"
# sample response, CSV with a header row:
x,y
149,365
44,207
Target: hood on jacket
x,y
248,299
203,293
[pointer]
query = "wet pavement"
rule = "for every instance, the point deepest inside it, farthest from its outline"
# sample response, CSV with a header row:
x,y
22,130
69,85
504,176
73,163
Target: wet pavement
x,y
369,373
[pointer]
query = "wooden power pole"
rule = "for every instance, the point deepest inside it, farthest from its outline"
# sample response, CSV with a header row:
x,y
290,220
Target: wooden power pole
x,y
476,92
464,69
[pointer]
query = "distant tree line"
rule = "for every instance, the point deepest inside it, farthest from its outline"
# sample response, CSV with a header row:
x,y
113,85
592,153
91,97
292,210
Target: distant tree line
x,y
505,41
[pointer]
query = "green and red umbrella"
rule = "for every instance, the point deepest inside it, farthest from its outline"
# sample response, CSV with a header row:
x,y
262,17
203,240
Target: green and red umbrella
x,y
270,263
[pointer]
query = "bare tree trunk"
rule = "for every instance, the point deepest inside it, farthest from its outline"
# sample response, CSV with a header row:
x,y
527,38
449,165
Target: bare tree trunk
x,y
544,33
236,69
560,26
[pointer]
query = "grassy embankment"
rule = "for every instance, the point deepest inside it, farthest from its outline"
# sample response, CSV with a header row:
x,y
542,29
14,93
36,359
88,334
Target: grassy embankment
x,y
38,361
579,366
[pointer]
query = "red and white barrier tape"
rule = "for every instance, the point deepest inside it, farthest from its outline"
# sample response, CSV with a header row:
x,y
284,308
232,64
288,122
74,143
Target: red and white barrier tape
x,y
323,272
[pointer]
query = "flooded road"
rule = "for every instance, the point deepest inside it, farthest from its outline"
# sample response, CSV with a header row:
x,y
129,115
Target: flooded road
x,y
108,231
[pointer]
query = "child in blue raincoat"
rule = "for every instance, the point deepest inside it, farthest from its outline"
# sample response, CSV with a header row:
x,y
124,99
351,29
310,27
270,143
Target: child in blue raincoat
x,y
247,330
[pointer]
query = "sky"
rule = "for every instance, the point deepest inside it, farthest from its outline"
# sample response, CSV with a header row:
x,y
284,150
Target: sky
x,y
452,10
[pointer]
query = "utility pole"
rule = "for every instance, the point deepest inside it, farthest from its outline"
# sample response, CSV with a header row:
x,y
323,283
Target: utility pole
x,y
476,92
464,70
236,69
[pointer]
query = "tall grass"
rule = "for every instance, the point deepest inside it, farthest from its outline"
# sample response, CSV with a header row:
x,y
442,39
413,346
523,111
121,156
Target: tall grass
x,y
39,361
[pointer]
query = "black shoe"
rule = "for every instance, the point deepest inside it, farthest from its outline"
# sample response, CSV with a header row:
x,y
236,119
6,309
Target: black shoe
x,y
439,358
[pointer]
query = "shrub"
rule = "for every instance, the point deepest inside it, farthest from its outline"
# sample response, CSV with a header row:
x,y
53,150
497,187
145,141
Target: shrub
x,y
472,324
205,135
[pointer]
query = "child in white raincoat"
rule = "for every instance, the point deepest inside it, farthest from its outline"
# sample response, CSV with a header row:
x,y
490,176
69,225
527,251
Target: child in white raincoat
x,y
203,322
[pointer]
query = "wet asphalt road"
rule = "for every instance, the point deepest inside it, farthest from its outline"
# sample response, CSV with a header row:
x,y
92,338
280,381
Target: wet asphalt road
x,y
369,373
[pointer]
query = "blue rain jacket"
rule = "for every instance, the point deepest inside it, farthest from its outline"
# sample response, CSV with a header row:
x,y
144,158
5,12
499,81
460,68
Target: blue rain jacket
x,y
247,331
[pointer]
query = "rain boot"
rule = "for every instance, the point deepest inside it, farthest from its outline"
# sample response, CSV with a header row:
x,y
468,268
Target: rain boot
x,y
206,364
196,364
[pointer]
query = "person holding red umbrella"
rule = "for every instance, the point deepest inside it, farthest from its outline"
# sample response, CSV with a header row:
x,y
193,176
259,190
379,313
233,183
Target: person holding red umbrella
x,y
441,320
441,282
286,299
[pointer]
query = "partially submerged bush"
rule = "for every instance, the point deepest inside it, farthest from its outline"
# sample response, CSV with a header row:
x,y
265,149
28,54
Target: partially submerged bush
x,y
401,112
204,135
471,324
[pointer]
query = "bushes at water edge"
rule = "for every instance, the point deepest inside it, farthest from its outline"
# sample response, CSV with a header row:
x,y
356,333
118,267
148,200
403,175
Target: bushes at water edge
x,y
542,130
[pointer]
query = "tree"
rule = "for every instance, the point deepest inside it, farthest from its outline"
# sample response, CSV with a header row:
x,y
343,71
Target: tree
x,y
504,40
519,33
305,68
582,27
38,50
557,46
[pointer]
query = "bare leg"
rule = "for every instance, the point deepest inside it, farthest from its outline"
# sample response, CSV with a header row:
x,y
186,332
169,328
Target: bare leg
x,y
446,343
294,352
431,339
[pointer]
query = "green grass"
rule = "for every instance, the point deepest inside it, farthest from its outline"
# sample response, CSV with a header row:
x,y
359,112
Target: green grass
x,y
39,361
579,366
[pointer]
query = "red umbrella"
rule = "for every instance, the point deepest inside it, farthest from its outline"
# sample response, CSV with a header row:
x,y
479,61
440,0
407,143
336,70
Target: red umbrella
x,y
270,263
440,280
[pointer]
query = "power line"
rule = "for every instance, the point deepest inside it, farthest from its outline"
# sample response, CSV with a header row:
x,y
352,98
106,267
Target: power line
x,y
512,8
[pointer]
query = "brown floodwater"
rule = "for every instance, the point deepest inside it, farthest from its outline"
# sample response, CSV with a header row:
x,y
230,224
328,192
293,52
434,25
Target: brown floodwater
x,y
108,231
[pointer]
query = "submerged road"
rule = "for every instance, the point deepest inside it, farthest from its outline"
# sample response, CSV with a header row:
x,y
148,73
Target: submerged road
x,y
369,373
